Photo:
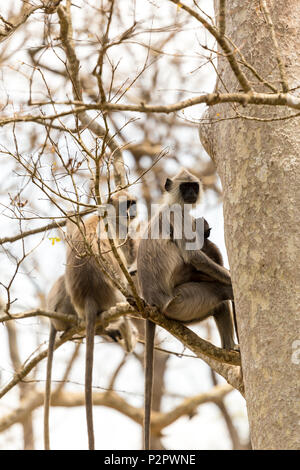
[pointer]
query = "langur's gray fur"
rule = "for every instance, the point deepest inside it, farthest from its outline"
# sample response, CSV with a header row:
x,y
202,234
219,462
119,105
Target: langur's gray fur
x,y
58,300
91,290
186,285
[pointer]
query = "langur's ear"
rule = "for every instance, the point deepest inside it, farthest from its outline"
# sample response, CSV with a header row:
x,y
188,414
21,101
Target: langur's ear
x,y
168,184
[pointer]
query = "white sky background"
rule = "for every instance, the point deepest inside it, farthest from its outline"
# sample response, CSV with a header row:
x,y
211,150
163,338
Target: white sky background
x,y
113,431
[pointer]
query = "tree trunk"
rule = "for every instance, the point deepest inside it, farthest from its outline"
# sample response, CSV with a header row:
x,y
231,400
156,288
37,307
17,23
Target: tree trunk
x,y
258,166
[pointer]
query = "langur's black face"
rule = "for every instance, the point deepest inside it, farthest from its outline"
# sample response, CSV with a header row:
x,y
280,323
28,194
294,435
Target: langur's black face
x,y
131,209
189,192
128,207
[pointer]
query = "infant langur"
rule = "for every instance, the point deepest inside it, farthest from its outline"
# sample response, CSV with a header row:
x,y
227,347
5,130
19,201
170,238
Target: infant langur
x,y
93,275
185,283
59,301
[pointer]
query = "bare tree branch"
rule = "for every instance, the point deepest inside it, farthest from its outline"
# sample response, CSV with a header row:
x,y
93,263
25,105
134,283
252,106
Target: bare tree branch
x,y
284,82
112,400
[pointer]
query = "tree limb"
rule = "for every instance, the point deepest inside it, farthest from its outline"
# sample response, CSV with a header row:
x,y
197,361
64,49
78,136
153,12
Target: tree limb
x,y
112,400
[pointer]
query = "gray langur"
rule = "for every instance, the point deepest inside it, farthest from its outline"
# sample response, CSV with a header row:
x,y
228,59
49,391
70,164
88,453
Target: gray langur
x,y
89,278
186,284
58,300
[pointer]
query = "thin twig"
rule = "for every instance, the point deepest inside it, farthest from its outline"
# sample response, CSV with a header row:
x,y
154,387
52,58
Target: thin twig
x,y
284,82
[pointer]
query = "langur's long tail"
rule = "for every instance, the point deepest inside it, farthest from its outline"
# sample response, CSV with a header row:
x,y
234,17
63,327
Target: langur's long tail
x,y
91,313
52,336
149,357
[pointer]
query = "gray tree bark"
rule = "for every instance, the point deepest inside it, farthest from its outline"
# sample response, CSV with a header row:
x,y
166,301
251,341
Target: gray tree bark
x,y
258,163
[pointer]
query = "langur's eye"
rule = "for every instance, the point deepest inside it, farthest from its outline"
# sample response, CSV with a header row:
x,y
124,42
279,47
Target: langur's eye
x,y
195,187
130,203
132,210
190,187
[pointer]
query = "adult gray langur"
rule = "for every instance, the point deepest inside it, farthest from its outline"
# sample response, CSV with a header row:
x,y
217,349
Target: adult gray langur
x,y
184,279
91,272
